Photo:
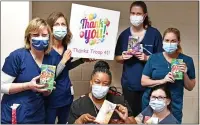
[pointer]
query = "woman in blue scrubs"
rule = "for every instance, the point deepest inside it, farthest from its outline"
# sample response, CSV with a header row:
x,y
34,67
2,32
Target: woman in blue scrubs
x,y
150,41
20,75
158,71
59,102
159,109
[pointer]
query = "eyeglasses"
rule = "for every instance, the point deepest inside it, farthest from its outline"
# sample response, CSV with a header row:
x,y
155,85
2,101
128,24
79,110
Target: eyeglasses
x,y
160,98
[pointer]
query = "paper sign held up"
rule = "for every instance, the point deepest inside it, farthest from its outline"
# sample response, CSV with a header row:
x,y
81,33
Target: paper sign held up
x,y
94,32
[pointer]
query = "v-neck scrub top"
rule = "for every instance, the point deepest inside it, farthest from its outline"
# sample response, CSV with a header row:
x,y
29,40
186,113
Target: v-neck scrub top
x,y
132,68
61,96
21,65
157,67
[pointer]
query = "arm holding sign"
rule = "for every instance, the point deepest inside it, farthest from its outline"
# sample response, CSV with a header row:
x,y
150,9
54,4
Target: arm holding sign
x,y
74,64
80,61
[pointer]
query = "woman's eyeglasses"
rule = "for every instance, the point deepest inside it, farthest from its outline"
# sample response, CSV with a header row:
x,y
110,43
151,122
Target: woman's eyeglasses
x,y
160,98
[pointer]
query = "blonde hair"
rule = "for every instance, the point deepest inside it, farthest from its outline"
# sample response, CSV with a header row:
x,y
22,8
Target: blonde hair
x,y
178,35
34,25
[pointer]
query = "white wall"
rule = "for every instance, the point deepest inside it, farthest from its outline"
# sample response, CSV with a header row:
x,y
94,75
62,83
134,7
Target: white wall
x,y
15,17
199,66
14,20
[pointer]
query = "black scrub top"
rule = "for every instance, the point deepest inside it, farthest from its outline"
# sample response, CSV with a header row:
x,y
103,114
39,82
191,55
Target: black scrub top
x,y
84,105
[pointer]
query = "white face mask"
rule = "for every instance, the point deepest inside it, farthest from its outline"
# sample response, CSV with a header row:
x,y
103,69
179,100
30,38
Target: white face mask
x,y
99,91
170,47
59,32
157,105
136,20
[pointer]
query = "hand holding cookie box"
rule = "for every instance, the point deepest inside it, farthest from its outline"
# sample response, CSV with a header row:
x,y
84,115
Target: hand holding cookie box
x,y
178,75
47,76
133,45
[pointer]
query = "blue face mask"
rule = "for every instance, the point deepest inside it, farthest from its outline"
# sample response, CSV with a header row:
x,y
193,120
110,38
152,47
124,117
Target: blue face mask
x,y
59,32
170,47
40,43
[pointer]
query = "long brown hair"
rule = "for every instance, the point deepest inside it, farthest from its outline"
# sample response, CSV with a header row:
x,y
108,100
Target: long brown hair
x,y
52,19
178,35
142,4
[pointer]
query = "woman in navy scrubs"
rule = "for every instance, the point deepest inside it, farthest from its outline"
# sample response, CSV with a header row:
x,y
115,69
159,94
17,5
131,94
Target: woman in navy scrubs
x,y
59,102
20,74
151,42
158,71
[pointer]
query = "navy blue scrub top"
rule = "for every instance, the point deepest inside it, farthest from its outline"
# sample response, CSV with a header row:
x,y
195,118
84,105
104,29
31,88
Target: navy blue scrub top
x,y
20,64
61,96
157,67
170,119
132,68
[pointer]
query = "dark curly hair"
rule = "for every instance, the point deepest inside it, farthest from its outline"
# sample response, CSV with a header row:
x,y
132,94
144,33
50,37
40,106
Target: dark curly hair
x,y
102,66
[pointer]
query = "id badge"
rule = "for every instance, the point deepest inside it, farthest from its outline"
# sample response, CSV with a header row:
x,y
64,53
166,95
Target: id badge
x,y
141,48
72,90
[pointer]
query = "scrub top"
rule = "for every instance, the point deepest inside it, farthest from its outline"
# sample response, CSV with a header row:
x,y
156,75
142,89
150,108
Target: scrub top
x,y
132,68
84,105
157,67
61,96
148,112
21,65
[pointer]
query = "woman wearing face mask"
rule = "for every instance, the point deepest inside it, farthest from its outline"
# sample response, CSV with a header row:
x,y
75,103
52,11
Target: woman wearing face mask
x,y
58,103
85,109
159,109
20,74
158,71
151,42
